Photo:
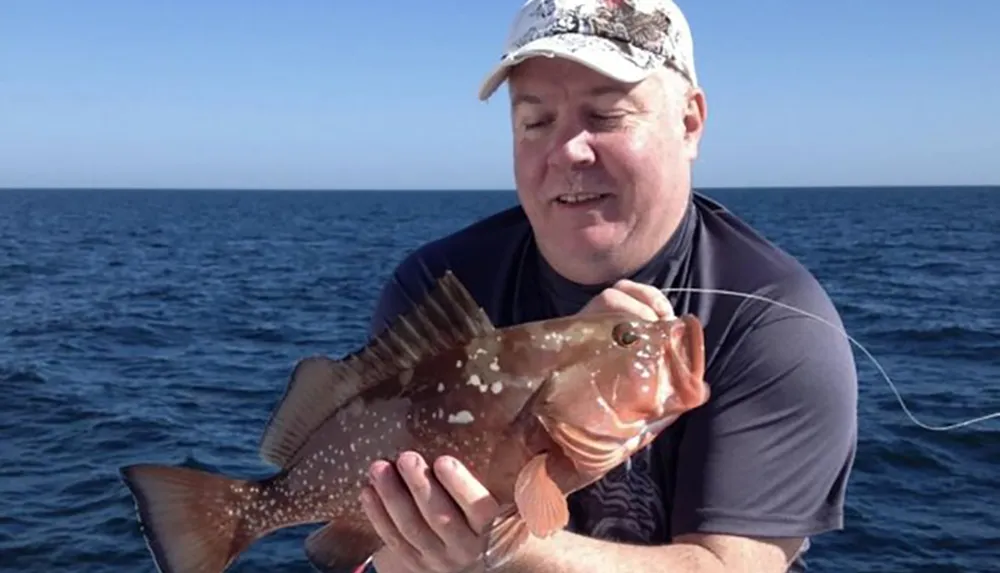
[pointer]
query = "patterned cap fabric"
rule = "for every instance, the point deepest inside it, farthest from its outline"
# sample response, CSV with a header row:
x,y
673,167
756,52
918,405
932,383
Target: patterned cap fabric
x,y
623,39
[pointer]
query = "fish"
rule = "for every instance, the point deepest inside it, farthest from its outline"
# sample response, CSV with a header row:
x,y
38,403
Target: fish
x,y
535,411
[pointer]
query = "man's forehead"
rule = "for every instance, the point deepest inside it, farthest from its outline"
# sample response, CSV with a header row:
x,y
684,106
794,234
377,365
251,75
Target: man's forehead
x,y
532,85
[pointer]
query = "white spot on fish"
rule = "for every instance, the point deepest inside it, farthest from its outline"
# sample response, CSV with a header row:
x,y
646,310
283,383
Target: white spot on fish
x,y
495,365
440,386
474,380
496,387
458,364
463,417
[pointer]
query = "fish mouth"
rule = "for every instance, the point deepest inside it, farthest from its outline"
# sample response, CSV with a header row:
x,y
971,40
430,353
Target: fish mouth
x,y
694,346
687,364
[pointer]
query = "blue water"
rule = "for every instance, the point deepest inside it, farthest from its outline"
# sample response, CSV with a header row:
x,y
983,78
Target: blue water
x,y
161,326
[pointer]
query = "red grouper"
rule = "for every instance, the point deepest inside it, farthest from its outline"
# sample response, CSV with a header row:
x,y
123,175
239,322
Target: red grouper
x,y
535,411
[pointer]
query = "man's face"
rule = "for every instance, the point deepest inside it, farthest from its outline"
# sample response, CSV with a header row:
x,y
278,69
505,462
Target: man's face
x,y
602,168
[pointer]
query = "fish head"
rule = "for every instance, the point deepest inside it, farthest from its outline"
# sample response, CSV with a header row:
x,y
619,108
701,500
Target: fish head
x,y
626,383
655,371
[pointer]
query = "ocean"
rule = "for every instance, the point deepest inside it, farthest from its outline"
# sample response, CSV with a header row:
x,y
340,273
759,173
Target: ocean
x,y
161,326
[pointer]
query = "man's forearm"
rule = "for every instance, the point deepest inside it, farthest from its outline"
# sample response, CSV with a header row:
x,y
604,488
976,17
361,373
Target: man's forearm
x,y
567,552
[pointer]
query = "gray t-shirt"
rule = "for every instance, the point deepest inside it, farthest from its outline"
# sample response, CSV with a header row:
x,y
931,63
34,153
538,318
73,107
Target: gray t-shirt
x,y
769,454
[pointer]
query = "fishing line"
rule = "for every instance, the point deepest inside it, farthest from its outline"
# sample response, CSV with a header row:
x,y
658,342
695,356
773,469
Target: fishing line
x,y
892,386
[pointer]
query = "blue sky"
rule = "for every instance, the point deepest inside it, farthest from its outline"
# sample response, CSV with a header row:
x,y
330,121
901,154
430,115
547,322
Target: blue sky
x,y
338,94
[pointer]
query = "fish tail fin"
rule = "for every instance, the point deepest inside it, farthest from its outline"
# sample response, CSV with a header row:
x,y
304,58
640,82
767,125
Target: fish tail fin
x,y
191,519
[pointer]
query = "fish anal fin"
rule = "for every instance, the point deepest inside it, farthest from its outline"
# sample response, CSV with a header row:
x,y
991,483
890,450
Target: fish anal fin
x,y
540,502
506,535
448,316
340,547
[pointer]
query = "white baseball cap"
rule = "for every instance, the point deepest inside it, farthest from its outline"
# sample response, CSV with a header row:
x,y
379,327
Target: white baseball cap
x,y
623,39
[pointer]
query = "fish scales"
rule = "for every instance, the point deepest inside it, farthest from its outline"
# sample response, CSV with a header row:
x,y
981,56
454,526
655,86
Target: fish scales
x,y
535,411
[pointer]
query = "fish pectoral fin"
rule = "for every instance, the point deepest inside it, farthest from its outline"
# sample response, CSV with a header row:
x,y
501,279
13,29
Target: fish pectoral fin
x,y
507,534
539,500
340,546
588,452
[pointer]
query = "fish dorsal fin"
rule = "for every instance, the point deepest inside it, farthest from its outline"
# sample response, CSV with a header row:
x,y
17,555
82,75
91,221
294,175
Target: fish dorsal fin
x,y
447,316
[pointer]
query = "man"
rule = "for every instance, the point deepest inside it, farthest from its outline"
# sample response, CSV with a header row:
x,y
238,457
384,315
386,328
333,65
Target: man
x,y
605,130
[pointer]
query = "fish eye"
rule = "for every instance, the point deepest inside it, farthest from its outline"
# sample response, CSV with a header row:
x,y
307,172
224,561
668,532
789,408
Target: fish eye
x,y
624,334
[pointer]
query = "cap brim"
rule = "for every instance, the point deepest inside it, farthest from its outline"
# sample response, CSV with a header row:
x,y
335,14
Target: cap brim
x,y
603,56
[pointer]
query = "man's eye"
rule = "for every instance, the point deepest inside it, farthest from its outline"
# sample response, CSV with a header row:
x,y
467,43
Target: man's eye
x,y
606,120
537,123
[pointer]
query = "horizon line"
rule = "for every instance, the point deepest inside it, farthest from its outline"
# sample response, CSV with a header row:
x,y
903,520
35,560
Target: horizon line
x,y
488,189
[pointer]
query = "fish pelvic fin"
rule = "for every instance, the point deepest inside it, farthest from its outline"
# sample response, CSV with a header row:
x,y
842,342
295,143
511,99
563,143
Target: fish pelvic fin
x,y
539,500
190,518
340,546
539,509
446,317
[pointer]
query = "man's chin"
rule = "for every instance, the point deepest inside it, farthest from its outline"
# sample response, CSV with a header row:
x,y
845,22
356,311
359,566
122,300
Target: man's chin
x,y
595,242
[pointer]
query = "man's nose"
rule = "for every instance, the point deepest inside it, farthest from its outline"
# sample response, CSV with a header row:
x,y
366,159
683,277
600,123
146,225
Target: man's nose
x,y
573,148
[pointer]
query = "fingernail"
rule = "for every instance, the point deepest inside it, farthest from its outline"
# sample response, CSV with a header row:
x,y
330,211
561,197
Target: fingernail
x,y
376,470
411,460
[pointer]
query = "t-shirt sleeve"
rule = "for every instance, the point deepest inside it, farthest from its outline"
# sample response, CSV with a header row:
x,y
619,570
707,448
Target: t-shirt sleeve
x,y
770,454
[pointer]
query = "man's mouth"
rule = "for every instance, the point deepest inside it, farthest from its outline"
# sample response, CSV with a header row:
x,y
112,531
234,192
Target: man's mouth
x,y
580,198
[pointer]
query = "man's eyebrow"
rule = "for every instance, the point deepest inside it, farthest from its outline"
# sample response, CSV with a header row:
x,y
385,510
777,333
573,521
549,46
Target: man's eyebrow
x,y
522,99
610,89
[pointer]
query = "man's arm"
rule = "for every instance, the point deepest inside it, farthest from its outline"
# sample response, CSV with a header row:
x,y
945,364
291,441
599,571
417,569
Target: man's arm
x,y
568,552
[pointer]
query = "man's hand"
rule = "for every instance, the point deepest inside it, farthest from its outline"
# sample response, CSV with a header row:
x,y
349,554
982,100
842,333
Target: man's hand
x,y
429,520
642,300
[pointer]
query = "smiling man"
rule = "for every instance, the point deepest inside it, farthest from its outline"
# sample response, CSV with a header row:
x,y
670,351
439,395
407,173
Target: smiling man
x,y
607,116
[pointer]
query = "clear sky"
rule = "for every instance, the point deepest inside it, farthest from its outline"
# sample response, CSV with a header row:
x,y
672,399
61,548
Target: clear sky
x,y
365,94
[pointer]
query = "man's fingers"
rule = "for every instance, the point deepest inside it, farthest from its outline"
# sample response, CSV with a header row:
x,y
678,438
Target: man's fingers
x,y
649,295
613,299
385,527
472,497
435,503
403,513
